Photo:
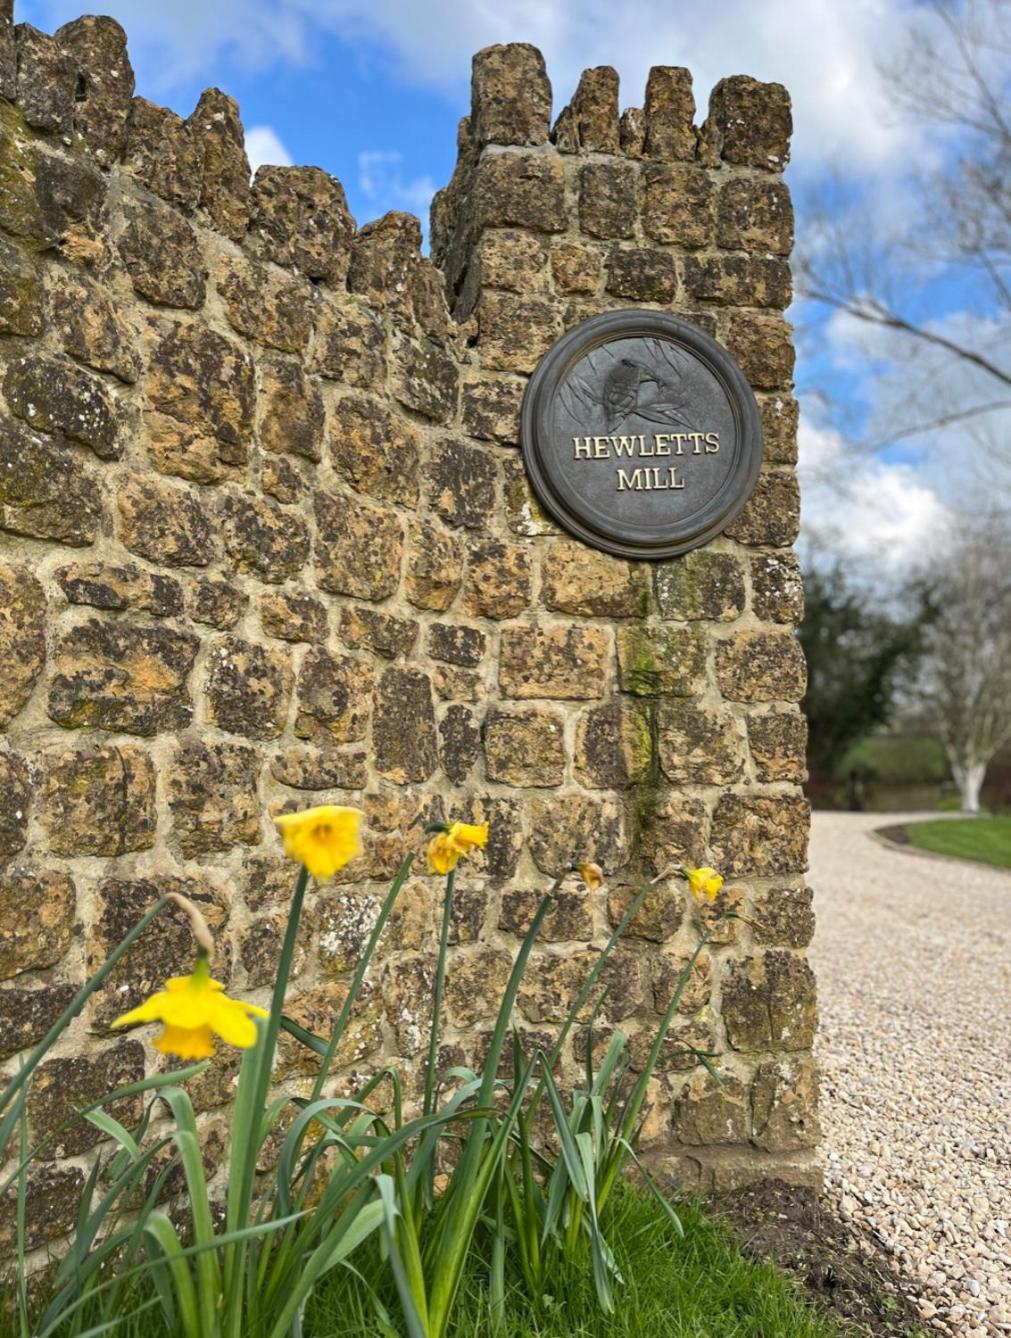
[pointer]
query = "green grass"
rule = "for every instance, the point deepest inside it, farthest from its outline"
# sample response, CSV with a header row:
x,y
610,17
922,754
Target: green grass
x,y
987,840
700,1286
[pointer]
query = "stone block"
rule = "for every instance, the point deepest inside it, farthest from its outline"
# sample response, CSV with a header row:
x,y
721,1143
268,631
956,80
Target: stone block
x,y
382,633
164,949
263,538
475,983
275,310
778,743
491,409
784,917
302,221
434,567
350,344
769,1002
515,332
565,662
104,87
510,95
580,580
760,836
755,214
455,643
462,484
163,153
777,588
214,603
701,586
91,325
334,698
525,748
37,911
52,395
762,344
291,410
590,122
679,204
375,450
499,580
576,268
98,800
614,745
709,1113
750,122
248,688
739,281
27,1014
224,172
164,523
642,274
425,379
780,415
661,659
699,744
566,829
404,735
15,796
61,1086
459,742
659,916
204,380
569,920
771,514
784,1104
46,80
358,548
669,113
21,307
162,256
22,638
213,797
123,676
608,199
761,667
516,261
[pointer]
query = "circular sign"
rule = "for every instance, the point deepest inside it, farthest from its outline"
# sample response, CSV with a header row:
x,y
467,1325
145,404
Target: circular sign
x,y
640,434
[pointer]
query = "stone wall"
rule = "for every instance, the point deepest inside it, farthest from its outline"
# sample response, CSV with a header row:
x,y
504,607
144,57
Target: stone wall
x,y
267,541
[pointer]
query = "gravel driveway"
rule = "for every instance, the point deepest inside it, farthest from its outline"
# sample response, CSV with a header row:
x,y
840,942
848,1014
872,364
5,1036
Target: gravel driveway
x,y
913,957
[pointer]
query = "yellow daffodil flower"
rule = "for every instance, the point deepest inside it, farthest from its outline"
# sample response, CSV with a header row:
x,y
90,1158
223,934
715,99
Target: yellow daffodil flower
x,y
446,847
194,1009
705,883
591,874
324,839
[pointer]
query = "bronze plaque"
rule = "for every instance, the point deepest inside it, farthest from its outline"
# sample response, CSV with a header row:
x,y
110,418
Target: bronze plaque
x,y
640,434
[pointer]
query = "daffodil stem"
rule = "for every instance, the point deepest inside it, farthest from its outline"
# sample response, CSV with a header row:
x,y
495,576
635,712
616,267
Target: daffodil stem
x,y
440,980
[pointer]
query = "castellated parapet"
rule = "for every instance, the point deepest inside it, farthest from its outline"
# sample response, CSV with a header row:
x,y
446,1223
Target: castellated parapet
x,y
267,541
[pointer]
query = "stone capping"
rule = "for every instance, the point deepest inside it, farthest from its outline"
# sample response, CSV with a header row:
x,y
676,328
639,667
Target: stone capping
x,y
269,542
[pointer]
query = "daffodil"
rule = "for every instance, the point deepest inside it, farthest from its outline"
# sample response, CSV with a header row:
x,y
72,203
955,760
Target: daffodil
x,y
705,883
591,874
324,839
447,846
194,1009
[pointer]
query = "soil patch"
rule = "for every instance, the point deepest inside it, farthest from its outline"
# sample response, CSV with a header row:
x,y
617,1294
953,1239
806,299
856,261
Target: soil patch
x,y
846,1274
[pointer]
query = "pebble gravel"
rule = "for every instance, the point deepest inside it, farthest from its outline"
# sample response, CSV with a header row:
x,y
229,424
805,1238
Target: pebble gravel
x,y
913,958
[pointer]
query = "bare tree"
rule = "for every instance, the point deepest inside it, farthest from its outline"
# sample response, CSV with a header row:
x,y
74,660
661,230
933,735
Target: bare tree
x,y
954,79
963,685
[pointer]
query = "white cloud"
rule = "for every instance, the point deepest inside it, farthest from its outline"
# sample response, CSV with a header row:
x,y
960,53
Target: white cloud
x,y
264,145
827,54
884,517
381,181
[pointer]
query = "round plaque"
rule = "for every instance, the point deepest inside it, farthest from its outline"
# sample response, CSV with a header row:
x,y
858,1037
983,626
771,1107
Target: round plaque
x,y
640,434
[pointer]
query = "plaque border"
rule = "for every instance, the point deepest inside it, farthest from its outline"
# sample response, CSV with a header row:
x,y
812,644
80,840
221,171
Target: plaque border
x,y
538,404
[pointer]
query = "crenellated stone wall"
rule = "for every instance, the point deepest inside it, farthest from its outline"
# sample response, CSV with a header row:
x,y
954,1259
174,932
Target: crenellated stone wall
x,y
267,541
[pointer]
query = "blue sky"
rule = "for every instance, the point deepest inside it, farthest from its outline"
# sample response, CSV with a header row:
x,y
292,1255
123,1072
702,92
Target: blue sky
x,y
372,90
